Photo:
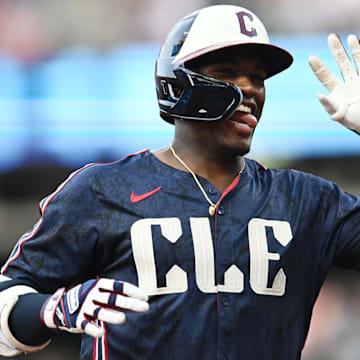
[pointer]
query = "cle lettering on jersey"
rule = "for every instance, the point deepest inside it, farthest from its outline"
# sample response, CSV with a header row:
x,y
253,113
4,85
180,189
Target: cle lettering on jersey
x,y
176,277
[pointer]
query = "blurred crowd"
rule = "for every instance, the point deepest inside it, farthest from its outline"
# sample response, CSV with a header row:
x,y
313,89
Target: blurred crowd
x,y
32,29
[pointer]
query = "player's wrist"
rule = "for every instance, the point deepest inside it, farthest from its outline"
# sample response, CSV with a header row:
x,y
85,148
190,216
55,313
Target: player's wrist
x,y
21,329
25,323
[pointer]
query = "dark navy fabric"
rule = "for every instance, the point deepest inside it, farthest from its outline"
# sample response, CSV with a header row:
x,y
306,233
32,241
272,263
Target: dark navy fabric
x,y
86,228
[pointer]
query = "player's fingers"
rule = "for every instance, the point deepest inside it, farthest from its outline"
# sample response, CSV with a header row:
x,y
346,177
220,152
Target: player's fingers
x,y
334,109
341,57
325,76
354,46
327,104
103,298
133,291
106,299
106,284
92,329
123,288
128,303
111,316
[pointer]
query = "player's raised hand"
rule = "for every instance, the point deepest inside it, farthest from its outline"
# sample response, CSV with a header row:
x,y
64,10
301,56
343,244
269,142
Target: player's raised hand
x,y
79,309
343,102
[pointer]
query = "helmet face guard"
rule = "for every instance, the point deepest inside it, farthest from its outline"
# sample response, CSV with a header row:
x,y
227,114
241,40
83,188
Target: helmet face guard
x,y
210,29
201,98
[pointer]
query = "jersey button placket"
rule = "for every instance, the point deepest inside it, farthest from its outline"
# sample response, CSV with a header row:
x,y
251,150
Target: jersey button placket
x,y
223,261
213,194
212,191
225,300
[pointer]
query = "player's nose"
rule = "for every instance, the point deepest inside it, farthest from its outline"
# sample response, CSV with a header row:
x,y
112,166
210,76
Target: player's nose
x,y
246,84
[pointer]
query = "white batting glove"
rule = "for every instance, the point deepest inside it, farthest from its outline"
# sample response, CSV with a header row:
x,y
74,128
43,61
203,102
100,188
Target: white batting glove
x,y
343,102
79,309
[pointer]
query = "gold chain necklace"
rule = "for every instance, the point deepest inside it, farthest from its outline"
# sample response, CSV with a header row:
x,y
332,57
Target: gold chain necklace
x,y
213,206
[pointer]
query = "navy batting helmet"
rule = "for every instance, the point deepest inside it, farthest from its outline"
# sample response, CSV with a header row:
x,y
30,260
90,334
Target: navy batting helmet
x,y
186,94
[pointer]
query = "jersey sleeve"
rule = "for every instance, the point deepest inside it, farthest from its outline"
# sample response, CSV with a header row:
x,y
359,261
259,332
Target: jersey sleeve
x,y
64,246
339,214
347,234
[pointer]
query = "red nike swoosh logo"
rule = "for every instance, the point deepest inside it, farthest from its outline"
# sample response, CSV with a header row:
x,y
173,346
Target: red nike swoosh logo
x,y
136,198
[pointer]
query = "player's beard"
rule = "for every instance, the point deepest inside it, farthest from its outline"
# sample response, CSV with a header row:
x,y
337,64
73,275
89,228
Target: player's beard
x,y
236,146
234,151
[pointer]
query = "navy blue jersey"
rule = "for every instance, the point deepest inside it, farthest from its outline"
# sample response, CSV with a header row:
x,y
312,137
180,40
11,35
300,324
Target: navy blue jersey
x,y
239,285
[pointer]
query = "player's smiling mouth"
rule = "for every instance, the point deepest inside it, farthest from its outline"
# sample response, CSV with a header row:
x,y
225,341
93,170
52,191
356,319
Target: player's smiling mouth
x,y
244,108
244,117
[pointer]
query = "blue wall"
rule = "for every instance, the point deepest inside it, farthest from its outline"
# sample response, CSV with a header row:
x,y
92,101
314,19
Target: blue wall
x,y
81,106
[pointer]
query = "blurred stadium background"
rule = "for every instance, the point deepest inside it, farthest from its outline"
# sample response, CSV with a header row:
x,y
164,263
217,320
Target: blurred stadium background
x,y
77,86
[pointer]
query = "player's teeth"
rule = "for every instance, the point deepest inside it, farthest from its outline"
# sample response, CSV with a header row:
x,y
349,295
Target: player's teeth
x,y
244,108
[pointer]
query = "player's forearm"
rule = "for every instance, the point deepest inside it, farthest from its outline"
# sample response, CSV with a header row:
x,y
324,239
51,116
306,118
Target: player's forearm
x,y
21,329
25,323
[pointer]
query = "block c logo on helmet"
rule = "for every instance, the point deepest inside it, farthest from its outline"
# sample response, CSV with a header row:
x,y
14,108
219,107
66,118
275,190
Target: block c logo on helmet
x,y
241,16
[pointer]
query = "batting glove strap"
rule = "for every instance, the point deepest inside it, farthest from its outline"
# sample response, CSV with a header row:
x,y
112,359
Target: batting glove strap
x,y
48,310
62,309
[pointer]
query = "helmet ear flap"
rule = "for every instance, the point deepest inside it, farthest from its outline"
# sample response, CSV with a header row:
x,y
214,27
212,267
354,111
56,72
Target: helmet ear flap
x,y
202,98
172,92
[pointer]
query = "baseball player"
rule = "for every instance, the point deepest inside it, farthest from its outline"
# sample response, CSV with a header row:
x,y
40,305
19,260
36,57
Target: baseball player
x,y
205,253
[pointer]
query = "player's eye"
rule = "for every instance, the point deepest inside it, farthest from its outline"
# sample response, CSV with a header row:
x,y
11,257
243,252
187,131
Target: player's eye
x,y
224,71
